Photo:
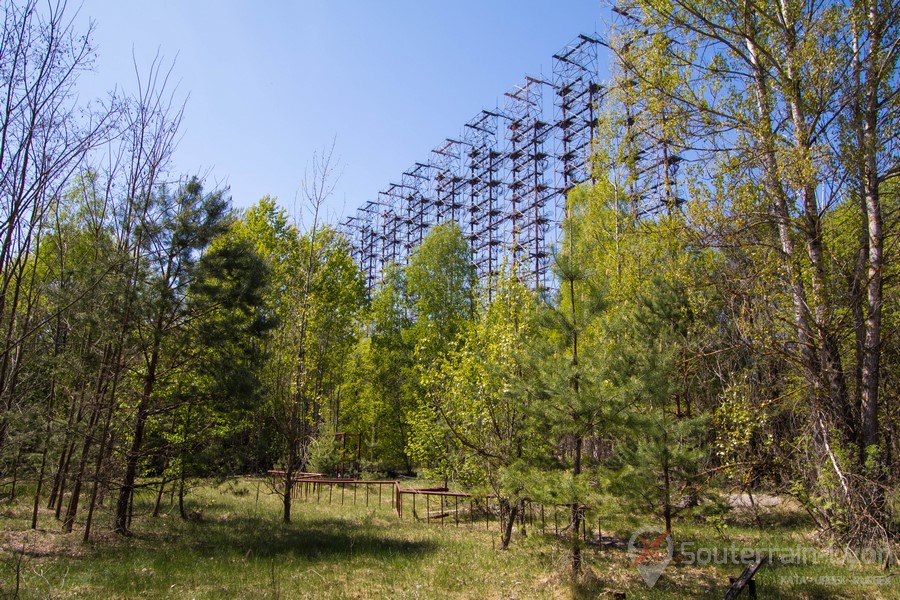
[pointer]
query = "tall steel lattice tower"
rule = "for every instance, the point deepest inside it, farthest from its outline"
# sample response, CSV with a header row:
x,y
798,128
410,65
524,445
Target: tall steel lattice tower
x,y
503,179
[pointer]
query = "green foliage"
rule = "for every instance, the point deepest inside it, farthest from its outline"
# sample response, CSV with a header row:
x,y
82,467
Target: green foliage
x,y
236,548
475,426
223,388
440,281
741,428
416,315
661,451
316,293
323,454
382,378
734,325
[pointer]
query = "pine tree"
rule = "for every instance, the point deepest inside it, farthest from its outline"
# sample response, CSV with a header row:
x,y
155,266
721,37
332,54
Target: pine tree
x,y
660,451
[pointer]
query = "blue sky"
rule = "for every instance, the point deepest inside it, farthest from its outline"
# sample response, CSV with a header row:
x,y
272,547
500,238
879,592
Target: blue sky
x,y
269,83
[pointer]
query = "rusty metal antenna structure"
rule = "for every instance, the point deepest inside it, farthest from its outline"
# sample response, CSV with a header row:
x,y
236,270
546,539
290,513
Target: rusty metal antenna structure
x,y
503,179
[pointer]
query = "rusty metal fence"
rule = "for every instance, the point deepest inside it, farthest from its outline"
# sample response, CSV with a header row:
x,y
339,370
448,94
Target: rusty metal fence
x,y
439,505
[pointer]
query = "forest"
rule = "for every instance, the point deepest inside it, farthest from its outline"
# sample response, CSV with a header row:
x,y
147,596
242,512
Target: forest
x,y
742,340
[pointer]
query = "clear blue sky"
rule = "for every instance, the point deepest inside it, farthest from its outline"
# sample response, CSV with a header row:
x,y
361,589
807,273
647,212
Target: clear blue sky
x,y
269,83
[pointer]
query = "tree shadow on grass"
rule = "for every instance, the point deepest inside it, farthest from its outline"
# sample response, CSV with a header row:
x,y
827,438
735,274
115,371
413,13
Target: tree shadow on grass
x,y
312,540
221,558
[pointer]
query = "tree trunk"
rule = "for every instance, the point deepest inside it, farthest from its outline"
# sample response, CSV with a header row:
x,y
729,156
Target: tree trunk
x,y
101,456
184,459
512,511
181,510
126,492
875,230
667,489
159,495
105,435
288,487
89,436
773,185
68,447
40,483
576,513
15,475
48,427
63,477
74,499
831,369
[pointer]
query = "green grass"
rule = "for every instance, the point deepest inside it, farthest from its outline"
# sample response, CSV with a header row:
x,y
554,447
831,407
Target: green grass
x,y
240,549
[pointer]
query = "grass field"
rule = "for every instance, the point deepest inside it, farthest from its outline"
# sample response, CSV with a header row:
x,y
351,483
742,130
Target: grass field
x,y
236,547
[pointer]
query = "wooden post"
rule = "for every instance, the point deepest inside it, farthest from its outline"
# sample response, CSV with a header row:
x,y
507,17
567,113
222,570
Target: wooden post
x,y
584,529
746,580
599,533
584,534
